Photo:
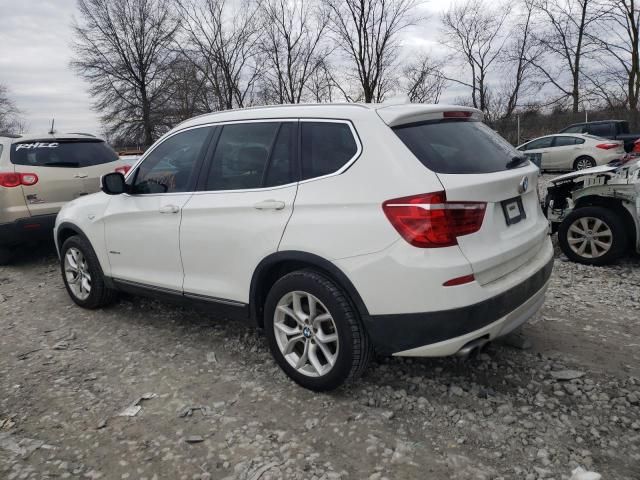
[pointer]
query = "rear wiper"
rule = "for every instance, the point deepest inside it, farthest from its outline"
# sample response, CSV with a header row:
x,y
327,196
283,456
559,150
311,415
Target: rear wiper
x,y
515,162
62,164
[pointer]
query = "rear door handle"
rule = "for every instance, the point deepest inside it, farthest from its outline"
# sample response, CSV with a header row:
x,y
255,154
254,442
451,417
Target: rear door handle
x,y
269,205
80,175
169,209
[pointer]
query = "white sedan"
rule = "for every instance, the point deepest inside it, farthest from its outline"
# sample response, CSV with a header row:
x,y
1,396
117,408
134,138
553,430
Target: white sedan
x,y
572,152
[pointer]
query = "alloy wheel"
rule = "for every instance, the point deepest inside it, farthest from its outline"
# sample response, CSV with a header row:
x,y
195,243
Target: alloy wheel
x,y
590,237
76,270
583,163
306,333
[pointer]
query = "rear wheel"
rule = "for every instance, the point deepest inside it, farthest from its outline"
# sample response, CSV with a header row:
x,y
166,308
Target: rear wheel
x,y
584,162
82,274
313,331
593,236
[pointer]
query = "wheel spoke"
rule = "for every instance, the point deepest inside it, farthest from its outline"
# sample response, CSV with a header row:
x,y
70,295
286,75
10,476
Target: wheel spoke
x,y
331,358
85,285
320,318
326,338
292,343
594,249
574,240
597,224
297,307
314,360
574,228
603,245
287,330
585,224
302,359
582,248
603,233
290,313
313,306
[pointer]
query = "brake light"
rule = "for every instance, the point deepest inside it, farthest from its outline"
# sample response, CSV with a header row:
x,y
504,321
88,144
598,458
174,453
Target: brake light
x,y
11,179
456,114
430,221
124,169
607,146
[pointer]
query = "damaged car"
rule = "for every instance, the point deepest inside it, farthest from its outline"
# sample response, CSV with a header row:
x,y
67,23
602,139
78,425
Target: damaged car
x,y
596,211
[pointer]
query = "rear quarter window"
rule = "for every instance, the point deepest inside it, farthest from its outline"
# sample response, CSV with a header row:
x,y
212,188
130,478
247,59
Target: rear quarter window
x,y
62,153
326,147
457,146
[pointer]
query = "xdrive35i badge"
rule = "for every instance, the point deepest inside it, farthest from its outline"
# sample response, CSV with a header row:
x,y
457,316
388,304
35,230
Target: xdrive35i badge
x,y
524,185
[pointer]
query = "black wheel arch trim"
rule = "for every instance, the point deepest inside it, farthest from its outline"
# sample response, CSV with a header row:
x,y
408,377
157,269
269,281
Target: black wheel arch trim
x,y
68,226
312,261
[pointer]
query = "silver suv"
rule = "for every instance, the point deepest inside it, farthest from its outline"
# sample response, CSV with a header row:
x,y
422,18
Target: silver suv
x,y
39,174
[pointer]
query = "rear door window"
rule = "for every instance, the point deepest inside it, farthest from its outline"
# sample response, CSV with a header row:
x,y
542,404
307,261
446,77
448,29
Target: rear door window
x,y
326,147
544,142
457,146
564,141
252,155
62,153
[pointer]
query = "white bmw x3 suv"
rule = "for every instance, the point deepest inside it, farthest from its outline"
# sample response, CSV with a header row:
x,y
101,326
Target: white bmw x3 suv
x,y
411,230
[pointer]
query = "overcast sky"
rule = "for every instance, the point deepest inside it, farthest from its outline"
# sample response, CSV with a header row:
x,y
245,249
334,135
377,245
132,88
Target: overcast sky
x,y
35,38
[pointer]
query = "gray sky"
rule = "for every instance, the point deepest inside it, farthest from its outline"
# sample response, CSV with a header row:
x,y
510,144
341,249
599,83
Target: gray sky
x,y
35,38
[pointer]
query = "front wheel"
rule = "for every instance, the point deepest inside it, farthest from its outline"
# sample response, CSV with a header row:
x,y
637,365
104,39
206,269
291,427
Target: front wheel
x,y
592,236
82,274
313,331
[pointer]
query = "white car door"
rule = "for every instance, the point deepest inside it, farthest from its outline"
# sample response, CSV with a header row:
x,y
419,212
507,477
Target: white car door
x,y
248,187
142,226
562,153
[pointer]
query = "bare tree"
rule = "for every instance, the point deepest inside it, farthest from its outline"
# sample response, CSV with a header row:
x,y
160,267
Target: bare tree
x,y
187,93
474,31
519,55
10,121
221,39
617,35
292,46
424,80
367,31
122,50
566,44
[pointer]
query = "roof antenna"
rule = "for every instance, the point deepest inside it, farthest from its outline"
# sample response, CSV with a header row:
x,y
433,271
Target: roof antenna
x,y
52,131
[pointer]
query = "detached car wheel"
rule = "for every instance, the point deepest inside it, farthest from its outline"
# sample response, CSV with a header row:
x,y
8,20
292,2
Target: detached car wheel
x,y
82,274
313,331
593,236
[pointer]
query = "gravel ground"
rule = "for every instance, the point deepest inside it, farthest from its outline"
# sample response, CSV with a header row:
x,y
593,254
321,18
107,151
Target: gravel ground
x,y
212,403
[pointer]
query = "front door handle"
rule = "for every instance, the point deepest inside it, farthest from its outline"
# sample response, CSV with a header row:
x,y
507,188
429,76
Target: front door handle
x,y
80,175
169,209
269,205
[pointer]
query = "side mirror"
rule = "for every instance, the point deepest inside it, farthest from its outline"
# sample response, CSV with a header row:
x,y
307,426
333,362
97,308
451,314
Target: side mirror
x,y
113,183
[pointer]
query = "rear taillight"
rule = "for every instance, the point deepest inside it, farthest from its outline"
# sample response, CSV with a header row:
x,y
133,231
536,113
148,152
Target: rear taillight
x,y
11,180
430,221
124,169
608,146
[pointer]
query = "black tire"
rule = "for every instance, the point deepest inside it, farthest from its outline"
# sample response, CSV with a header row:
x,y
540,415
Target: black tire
x,y
100,295
354,350
619,239
587,160
6,255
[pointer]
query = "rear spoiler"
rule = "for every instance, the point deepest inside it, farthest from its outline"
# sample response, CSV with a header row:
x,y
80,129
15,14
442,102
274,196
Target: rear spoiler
x,y
395,115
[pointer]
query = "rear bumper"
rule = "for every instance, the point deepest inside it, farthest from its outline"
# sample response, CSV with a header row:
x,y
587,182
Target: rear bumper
x,y
26,229
445,332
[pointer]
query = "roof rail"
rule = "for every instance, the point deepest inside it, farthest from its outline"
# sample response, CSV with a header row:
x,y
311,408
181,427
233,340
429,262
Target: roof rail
x,y
81,133
9,135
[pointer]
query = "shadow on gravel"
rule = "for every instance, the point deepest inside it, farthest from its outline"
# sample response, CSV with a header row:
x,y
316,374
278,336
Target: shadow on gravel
x,y
33,254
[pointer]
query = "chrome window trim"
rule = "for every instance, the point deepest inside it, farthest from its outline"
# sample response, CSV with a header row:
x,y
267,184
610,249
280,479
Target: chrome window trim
x,y
342,169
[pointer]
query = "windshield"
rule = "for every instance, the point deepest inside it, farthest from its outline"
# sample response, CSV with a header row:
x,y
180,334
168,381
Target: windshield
x,y
459,146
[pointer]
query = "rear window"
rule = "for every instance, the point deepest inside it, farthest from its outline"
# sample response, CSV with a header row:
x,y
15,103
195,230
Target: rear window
x,y
62,153
457,146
